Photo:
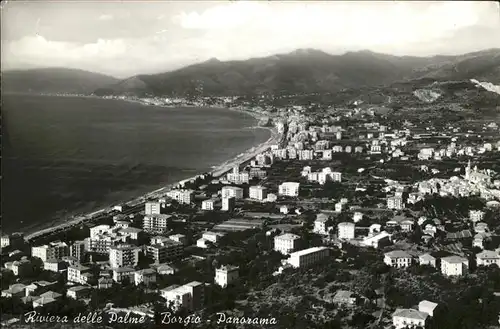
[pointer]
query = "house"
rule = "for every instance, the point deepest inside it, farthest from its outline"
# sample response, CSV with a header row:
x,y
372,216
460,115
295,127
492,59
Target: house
x,y
46,298
146,276
76,274
427,259
344,297
78,292
454,265
398,258
427,307
487,257
15,290
189,296
403,318
226,275
123,273
405,224
165,269
377,240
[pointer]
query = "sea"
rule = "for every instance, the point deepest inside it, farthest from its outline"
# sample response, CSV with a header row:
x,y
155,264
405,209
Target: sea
x,y
73,155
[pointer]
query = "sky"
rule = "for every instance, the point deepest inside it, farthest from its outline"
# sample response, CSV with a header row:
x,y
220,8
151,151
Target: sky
x,y
125,38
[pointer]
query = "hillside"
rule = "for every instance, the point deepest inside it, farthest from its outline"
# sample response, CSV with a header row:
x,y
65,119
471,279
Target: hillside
x,y
54,80
307,71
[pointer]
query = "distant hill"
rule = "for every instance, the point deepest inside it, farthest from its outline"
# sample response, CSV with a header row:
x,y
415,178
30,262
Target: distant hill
x,y
54,80
307,71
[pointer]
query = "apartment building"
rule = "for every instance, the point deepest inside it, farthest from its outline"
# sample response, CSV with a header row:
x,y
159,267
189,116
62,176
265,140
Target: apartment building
x,y
228,203
346,230
182,196
79,274
286,243
258,193
77,250
165,250
52,251
156,223
232,191
146,277
123,256
290,189
454,266
208,204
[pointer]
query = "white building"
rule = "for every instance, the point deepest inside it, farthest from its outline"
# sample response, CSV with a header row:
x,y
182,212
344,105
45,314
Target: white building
x,y
208,204
165,250
154,208
226,275
258,193
51,251
182,196
320,224
228,203
189,296
238,178
404,318
357,216
232,191
395,202
397,258
487,257
476,215
123,256
427,259
307,257
427,307
78,274
123,273
156,223
454,266
346,230
213,237
286,243
289,189
376,239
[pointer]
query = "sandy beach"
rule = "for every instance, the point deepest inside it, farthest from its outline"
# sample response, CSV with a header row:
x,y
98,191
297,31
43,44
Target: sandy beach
x,y
161,192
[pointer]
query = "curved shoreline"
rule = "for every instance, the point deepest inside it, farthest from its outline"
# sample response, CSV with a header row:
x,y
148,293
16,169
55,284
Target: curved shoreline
x,y
217,171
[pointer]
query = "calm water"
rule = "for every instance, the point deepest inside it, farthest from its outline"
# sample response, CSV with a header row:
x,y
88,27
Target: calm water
x,y
65,155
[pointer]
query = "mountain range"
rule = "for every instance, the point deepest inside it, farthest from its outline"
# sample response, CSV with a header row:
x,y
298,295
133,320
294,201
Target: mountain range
x,y
301,71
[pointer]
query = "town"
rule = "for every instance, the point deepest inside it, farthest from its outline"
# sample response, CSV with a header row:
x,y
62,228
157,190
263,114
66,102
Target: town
x,y
356,218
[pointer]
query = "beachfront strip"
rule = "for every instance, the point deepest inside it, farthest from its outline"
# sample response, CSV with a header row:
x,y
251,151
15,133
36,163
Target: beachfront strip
x,y
351,205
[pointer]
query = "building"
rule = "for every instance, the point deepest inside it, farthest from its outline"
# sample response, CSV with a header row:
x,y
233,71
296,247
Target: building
x,y
344,297
165,269
208,204
20,268
225,275
404,318
487,258
258,193
182,196
79,274
102,237
123,256
52,251
232,191
146,277
15,290
427,307
286,243
55,265
476,215
321,224
156,223
377,240
346,230
454,266
190,296
238,178
14,240
290,189
166,250
398,258
228,203
104,283
78,292
395,202
427,259
77,250
179,238
307,257
121,274
154,208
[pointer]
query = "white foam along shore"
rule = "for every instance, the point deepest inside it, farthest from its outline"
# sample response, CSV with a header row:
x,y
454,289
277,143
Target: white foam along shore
x,y
216,172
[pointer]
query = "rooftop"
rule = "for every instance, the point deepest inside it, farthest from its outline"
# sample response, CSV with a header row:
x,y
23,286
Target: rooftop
x,y
410,313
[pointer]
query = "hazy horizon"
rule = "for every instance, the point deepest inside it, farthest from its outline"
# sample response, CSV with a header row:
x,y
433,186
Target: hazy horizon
x,y
123,39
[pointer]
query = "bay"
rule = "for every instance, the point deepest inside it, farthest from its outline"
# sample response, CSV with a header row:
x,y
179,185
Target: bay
x,y
68,155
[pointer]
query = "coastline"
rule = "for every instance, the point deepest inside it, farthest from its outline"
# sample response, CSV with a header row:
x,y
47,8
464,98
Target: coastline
x,y
216,172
